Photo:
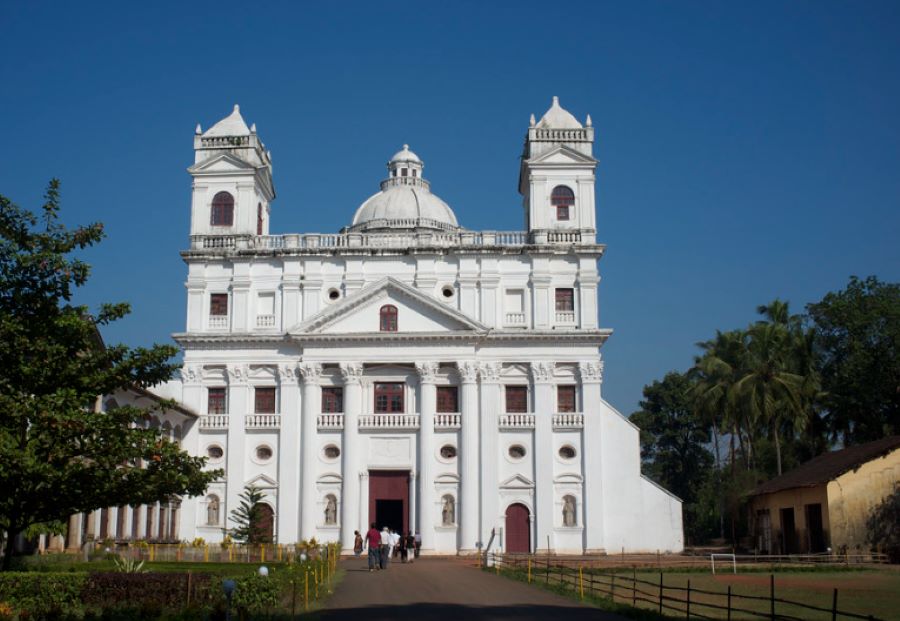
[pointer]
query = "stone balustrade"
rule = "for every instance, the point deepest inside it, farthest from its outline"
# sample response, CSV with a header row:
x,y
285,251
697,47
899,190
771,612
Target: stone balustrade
x,y
265,321
444,420
262,421
330,420
515,319
389,421
218,322
568,420
565,317
517,421
214,421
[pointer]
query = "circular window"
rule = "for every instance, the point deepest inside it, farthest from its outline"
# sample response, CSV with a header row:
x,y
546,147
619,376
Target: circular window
x,y
447,292
263,453
448,451
331,452
517,451
214,451
567,452
333,294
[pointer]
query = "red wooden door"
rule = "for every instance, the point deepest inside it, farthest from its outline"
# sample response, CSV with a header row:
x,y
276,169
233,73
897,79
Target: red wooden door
x,y
266,522
389,499
518,529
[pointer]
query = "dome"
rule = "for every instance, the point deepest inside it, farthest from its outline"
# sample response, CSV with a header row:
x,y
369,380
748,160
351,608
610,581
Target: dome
x,y
405,200
231,125
558,118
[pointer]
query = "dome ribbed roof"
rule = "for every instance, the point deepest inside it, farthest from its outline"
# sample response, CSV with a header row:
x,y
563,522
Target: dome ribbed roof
x,y
558,117
405,155
231,125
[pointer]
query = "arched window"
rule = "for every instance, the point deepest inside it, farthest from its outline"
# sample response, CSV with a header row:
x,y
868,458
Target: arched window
x,y
388,315
563,198
330,509
222,210
212,510
569,511
448,510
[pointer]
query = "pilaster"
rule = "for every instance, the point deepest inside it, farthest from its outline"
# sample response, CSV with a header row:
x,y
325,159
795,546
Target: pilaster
x,y
289,454
192,397
544,405
351,373
237,405
427,407
591,372
491,512
467,510
311,372
363,498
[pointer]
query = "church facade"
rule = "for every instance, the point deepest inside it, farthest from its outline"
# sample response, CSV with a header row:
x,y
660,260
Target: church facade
x,y
408,371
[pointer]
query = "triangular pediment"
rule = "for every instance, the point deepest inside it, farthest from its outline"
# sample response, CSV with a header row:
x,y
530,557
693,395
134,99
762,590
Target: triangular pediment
x,y
222,163
359,313
562,155
262,481
517,481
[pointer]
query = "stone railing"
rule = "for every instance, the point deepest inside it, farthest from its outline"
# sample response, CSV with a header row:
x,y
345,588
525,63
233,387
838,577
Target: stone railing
x,y
391,239
515,319
561,135
265,321
331,420
208,142
568,420
389,421
214,421
443,420
262,421
517,421
565,317
218,322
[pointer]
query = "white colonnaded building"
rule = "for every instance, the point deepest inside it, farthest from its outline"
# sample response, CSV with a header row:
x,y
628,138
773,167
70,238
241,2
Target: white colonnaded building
x,y
408,371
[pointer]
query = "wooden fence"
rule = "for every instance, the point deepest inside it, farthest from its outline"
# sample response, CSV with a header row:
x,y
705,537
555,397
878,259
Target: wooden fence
x,y
667,599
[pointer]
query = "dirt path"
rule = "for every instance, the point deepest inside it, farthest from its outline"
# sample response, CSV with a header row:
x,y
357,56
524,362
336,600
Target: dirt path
x,y
432,590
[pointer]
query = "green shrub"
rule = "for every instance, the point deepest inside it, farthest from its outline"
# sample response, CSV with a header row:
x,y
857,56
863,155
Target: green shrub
x,y
257,594
43,595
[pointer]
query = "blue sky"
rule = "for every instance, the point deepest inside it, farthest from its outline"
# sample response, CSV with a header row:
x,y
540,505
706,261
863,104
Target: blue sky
x,y
747,150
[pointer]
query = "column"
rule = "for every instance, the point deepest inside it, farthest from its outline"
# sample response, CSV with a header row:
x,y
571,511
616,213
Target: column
x,y
544,405
592,511
237,405
351,372
311,373
289,455
412,502
364,499
427,406
467,509
74,531
192,396
129,517
491,512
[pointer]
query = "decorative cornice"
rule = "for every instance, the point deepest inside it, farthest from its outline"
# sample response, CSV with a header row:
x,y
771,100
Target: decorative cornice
x,y
542,372
230,341
591,371
490,372
351,372
311,372
468,371
427,371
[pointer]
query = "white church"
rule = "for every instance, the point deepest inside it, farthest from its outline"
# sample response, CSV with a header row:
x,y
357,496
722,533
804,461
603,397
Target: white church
x,y
406,371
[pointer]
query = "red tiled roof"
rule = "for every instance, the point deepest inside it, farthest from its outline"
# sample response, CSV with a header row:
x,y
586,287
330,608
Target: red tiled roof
x,y
829,466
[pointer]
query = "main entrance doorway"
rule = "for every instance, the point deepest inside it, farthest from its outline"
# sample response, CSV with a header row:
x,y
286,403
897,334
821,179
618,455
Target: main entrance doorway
x,y
518,529
389,499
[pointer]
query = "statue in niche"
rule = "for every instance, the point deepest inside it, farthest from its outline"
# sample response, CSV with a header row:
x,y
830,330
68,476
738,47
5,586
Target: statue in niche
x,y
331,510
448,511
568,511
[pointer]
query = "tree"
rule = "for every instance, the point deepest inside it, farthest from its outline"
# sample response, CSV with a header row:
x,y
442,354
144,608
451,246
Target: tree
x,y
857,339
883,526
58,456
247,517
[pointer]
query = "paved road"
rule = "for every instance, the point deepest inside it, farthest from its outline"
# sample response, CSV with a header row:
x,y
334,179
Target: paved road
x,y
435,590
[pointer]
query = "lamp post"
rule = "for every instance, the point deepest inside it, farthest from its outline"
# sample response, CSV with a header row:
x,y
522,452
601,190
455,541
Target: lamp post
x,y
228,586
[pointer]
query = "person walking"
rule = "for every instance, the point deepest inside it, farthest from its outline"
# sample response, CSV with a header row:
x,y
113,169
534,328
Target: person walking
x,y
411,550
373,540
357,543
385,547
418,540
395,539
401,545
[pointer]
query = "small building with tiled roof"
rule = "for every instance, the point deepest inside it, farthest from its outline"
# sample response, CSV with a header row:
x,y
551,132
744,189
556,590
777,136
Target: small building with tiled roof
x,y
825,502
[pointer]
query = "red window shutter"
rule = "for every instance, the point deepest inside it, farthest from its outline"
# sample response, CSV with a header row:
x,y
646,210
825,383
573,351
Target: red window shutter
x,y
218,304
516,399
332,400
259,219
222,210
388,318
447,399
264,398
565,300
565,399
388,398
216,401
562,212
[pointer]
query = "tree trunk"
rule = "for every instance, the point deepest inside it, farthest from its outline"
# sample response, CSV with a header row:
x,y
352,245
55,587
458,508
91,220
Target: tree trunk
x,y
777,447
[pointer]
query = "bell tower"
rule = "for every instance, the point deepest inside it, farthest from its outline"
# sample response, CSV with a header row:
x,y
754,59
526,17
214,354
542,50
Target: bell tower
x,y
232,172
556,178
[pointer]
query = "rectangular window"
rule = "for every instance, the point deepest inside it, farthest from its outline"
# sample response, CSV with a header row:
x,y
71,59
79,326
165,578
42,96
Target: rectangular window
x,y
516,399
218,304
562,212
388,398
565,300
565,399
216,401
332,400
447,399
264,399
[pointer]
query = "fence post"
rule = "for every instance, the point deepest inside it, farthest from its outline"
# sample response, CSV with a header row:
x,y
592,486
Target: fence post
x,y
547,575
612,588
581,581
189,587
772,596
306,590
729,602
834,606
688,610
660,592
529,570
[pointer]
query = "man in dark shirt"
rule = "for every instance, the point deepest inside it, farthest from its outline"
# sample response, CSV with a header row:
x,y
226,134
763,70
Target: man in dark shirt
x,y
373,540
